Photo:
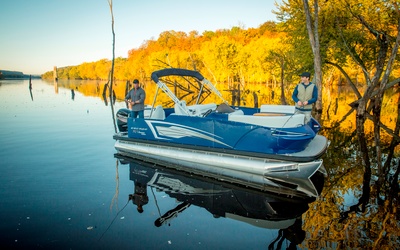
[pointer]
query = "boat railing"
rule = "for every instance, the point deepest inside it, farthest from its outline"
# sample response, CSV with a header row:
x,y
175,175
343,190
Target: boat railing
x,y
165,88
213,88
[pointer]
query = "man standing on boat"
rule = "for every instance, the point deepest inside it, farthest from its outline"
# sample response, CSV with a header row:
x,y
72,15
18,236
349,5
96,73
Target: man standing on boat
x,y
305,95
135,99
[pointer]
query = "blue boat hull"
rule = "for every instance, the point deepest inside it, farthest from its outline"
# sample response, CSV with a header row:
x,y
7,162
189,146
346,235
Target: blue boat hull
x,y
221,134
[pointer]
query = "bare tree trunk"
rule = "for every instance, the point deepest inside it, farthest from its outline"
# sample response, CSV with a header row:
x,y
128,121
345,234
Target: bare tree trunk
x,y
112,96
113,48
362,140
384,41
315,46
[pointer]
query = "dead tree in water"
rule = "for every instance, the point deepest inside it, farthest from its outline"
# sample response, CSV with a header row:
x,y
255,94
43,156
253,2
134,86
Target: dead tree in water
x,y
369,104
113,48
111,78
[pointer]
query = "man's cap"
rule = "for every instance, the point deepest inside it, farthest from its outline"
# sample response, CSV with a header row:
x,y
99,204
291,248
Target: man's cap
x,y
136,81
306,74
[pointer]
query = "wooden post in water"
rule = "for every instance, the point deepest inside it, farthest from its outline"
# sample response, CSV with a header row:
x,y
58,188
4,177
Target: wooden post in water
x,y
255,98
127,88
30,82
55,76
238,95
30,86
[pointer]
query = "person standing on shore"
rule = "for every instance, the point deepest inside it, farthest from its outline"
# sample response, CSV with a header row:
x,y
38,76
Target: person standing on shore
x,y
135,99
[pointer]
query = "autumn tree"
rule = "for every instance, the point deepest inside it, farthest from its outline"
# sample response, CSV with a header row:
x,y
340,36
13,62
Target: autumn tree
x,y
368,35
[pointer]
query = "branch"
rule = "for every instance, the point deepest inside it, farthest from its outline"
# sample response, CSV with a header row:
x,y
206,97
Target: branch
x,y
383,41
388,130
391,58
347,78
387,86
353,53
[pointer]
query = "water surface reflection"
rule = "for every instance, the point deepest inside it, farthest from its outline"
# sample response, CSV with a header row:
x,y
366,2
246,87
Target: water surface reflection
x,y
220,199
58,180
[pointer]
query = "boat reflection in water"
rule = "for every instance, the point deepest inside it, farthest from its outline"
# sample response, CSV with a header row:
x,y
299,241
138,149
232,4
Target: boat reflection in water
x,y
262,209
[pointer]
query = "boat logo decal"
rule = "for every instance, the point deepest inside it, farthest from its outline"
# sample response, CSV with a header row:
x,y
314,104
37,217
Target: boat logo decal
x,y
167,130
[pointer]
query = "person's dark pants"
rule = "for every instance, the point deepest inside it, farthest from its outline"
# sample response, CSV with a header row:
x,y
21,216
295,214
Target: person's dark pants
x,y
139,113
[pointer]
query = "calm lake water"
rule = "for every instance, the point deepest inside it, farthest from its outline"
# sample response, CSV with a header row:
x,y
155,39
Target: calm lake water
x,y
62,187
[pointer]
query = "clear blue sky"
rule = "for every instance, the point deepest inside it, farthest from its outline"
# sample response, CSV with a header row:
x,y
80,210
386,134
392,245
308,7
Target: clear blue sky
x,y
39,34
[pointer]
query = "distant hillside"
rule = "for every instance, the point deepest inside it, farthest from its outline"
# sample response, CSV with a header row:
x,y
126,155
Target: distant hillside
x,y
8,74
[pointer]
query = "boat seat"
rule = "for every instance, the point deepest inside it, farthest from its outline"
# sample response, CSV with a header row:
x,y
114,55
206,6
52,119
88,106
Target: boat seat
x,y
236,112
158,113
269,114
201,109
277,109
271,121
180,108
